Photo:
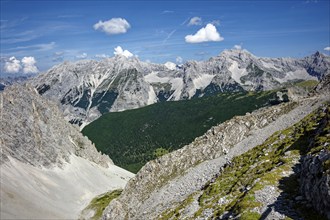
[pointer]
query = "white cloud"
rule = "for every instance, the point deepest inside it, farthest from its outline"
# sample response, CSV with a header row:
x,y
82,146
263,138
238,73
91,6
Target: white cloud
x,y
58,56
113,26
38,47
82,56
59,53
169,36
311,1
13,65
101,56
120,51
237,47
167,12
327,48
178,60
195,21
29,65
208,33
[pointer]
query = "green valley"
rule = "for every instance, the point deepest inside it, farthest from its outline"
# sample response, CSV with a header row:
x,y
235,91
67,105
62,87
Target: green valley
x,y
134,137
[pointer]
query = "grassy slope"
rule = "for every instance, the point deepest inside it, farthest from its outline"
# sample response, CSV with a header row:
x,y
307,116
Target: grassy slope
x,y
96,207
263,166
133,137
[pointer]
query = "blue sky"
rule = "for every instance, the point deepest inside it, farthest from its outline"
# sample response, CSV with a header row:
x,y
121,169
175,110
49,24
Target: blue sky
x,y
49,32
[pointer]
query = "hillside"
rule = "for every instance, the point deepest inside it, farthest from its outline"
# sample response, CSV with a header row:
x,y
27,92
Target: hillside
x,y
134,137
244,168
285,177
48,169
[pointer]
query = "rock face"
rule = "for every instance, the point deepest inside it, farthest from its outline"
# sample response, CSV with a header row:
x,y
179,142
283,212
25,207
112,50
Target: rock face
x,y
315,174
324,85
315,181
33,131
48,169
7,81
169,180
88,89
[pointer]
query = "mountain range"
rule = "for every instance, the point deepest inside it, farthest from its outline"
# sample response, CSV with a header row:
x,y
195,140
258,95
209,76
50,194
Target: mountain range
x,y
87,89
271,163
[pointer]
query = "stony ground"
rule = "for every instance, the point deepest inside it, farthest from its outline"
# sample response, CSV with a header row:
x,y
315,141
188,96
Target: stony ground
x,y
165,194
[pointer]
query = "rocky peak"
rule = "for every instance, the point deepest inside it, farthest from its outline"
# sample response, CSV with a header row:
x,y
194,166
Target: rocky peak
x,y
49,170
237,54
31,139
88,89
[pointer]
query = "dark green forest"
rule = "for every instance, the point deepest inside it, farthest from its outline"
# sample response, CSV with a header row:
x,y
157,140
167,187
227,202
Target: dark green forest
x,y
132,138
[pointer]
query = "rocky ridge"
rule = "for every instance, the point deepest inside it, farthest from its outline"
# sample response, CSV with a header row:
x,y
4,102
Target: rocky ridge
x,y
33,131
49,170
315,171
87,89
169,180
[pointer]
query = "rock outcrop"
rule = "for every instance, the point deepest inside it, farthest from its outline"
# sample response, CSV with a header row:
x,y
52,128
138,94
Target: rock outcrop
x,y
33,131
315,181
314,178
48,169
172,178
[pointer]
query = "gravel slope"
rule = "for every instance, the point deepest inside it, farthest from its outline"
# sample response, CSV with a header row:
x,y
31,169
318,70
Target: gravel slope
x,y
194,178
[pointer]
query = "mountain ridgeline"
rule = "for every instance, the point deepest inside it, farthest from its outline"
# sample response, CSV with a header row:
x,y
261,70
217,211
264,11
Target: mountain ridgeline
x,y
134,137
270,164
87,89
233,137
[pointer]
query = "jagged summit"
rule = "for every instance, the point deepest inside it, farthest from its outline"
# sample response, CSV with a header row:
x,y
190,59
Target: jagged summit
x,y
87,89
28,140
235,52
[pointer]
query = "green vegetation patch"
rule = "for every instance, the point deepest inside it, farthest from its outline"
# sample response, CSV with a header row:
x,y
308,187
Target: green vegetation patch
x,y
131,138
265,165
96,207
308,84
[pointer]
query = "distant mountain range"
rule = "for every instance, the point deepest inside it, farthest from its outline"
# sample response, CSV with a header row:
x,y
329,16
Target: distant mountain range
x,y
87,89
7,81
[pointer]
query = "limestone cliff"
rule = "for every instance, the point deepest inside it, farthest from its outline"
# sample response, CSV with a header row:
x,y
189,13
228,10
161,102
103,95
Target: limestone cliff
x,y
48,169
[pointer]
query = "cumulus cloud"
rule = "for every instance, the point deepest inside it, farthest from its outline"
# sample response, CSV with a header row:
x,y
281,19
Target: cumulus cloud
x,y
178,60
120,51
82,56
113,26
195,21
237,47
13,65
208,33
29,65
327,48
